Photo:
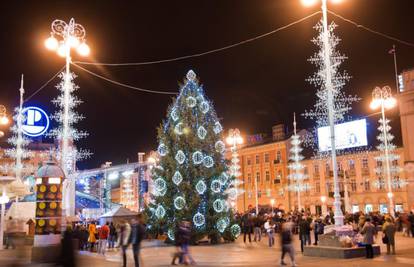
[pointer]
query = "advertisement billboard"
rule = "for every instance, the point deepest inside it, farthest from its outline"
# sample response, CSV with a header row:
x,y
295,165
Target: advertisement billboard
x,y
347,135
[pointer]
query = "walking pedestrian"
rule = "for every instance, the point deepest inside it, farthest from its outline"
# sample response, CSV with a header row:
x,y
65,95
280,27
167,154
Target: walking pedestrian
x,y
318,230
137,235
257,229
270,230
389,230
67,257
286,242
247,226
411,223
103,238
304,232
92,237
123,241
112,236
369,231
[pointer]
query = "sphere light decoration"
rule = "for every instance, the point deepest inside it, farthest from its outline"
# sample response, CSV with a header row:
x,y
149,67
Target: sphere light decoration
x,y
232,193
162,149
160,212
83,49
215,186
177,178
199,219
191,102
171,234
208,161
198,157
201,132
220,146
223,178
204,107
218,205
235,230
51,43
180,157
160,184
179,203
217,128
174,114
179,128
201,187
221,225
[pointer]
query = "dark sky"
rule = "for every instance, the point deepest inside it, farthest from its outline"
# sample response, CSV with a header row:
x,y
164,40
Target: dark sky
x,y
253,86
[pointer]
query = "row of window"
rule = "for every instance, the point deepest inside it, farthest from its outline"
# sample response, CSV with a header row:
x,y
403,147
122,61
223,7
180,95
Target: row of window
x,y
351,164
266,158
277,179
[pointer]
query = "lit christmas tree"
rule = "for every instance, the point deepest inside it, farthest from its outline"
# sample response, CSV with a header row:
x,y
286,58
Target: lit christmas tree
x,y
191,181
296,167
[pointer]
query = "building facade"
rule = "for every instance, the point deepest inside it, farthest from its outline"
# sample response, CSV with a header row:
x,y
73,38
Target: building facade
x,y
265,166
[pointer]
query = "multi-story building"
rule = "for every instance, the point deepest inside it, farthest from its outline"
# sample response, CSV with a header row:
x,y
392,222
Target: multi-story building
x,y
266,162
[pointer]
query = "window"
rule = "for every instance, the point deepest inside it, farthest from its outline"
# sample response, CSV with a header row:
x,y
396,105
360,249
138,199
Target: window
x,y
259,194
268,192
249,161
355,208
353,185
267,176
397,182
383,208
381,183
339,164
305,170
367,186
278,156
258,177
266,157
327,168
379,163
257,159
341,186
395,162
317,187
365,163
316,169
369,208
249,178
329,187
351,163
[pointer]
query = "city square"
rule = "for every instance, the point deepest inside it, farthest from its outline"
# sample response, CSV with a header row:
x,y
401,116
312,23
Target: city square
x,y
275,133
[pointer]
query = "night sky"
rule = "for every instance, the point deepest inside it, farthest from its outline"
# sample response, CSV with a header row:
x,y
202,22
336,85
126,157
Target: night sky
x,y
253,86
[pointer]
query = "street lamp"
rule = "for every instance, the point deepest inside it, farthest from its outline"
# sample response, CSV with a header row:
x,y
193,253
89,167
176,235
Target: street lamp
x,y
382,98
72,36
3,115
329,85
234,139
324,208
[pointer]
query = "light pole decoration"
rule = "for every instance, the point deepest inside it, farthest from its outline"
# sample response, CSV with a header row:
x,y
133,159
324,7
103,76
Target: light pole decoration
x,y
296,167
332,103
234,139
382,98
72,36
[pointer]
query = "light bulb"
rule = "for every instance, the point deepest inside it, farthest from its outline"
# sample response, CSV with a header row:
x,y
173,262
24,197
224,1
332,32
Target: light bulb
x,y
308,3
51,43
83,49
72,41
61,51
4,120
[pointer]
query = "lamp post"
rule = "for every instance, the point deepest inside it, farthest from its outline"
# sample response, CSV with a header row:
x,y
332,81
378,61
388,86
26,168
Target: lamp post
x,y
329,85
234,139
382,98
324,208
272,202
72,36
3,115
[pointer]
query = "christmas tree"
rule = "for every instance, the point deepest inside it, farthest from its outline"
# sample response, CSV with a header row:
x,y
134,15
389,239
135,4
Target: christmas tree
x,y
191,181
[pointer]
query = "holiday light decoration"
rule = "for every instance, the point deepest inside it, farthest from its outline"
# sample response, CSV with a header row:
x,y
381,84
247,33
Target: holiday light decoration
x,y
296,167
235,230
193,180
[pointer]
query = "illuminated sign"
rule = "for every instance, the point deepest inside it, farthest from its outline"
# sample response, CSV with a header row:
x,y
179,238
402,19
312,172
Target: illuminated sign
x,y
347,135
36,123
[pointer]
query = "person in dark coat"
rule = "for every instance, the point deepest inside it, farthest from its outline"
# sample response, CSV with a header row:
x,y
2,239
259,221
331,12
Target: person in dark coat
x,y
369,231
389,229
304,232
247,226
137,235
318,230
68,256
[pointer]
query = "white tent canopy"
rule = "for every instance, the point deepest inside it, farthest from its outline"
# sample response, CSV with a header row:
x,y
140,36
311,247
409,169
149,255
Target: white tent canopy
x,y
119,212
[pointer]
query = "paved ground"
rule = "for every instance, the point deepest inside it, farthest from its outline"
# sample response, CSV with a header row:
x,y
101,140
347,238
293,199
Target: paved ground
x,y
235,254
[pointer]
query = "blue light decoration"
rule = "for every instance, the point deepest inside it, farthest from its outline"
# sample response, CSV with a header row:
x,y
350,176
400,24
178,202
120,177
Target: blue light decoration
x,y
197,157
177,178
174,114
208,162
223,178
201,132
162,150
215,186
201,187
36,122
235,230
179,203
204,107
180,157
160,212
220,146
222,224
171,234
219,205
199,219
191,101
217,127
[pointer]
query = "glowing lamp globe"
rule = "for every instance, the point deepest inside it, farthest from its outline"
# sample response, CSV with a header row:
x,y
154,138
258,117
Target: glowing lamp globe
x,y
4,120
51,43
4,199
375,104
61,50
1,133
336,1
323,199
390,102
83,49
73,41
390,194
308,3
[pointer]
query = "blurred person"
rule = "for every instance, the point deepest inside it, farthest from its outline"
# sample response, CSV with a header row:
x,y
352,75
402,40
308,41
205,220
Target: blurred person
x,y
68,256
92,237
123,240
411,223
137,235
369,231
389,229
103,238
286,242
83,238
178,243
257,228
10,232
112,236
318,229
185,243
304,232
270,230
247,226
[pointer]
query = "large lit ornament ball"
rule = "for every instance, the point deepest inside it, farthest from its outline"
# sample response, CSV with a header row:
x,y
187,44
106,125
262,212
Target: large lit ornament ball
x,y
217,128
215,186
235,230
204,107
223,178
180,157
201,132
177,178
179,128
191,76
198,157
174,114
160,184
160,212
179,203
222,224
191,102
220,146
171,234
219,205
199,219
201,187
208,162
162,150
